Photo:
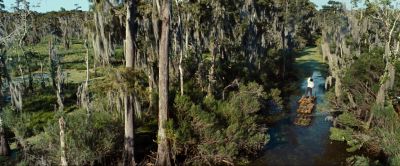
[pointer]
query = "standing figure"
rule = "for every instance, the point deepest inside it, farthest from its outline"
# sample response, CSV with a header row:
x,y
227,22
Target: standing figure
x,y
310,86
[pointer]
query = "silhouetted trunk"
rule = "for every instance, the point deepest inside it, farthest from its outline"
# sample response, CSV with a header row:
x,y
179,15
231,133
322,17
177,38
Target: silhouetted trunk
x,y
130,50
53,64
163,151
43,82
4,147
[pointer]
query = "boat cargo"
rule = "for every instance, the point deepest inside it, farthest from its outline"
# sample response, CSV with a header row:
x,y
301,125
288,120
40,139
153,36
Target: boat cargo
x,y
303,120
306,105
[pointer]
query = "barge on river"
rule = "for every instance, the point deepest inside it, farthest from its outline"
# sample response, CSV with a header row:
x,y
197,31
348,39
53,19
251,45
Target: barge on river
x,y
306,107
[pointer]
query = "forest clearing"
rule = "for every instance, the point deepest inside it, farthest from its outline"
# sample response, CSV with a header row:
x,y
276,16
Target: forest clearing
x,y
162,82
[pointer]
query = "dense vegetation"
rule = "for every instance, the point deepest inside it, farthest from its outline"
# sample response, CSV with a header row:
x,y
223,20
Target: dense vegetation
x,y
362,47
81,87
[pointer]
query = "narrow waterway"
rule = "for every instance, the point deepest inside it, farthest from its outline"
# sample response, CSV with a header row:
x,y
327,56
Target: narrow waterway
x,y
296,145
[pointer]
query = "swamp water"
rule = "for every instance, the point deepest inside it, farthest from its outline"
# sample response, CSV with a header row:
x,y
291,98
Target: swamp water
x,y
296,145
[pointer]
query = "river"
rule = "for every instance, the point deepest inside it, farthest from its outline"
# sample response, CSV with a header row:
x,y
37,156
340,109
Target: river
x,y
295,145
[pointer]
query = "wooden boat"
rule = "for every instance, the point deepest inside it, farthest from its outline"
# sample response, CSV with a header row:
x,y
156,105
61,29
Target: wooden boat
x,y
306,105
303,120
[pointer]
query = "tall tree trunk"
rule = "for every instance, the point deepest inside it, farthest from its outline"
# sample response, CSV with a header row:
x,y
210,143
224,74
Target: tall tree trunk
x,y
181,50
211,76
43,82
83,99
130,50
53,63
129,158
29,68
87,64
4,147
61,122
388,76
60,89
390,71
163,151
155,12
181,71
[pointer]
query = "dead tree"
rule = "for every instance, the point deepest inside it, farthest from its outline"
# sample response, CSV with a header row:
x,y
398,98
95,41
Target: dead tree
x,y
61,123
60,100
233,84
60,89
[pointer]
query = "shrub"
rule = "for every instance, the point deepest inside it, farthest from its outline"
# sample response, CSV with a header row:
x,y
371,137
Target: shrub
x,y
87,139
395,160
219,131
357,161
365,86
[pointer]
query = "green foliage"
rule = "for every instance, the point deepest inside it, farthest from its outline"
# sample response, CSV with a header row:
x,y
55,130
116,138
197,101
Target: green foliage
x,y
384,128
395,160
26,124
87,139
387,129
346,135
204,130
16,123
395,92
119,79
365,86
341,134
275,95
357,161
23,163
219,130
348,119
